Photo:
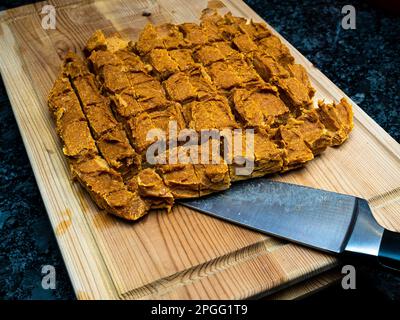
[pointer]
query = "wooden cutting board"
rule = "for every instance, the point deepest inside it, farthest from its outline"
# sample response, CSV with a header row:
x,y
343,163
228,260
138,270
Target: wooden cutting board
x,y
184,254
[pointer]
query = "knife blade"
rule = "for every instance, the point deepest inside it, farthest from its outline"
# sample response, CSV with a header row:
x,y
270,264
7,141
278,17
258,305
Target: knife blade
x,y
320,219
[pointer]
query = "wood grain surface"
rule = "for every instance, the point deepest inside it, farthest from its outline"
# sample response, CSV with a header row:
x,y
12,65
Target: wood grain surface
x,y
185,254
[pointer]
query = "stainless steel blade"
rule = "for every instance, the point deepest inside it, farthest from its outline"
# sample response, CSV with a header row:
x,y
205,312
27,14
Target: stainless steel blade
x,y
316,218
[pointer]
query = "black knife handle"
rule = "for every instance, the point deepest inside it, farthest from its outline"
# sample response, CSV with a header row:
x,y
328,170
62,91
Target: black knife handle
x,y
389,250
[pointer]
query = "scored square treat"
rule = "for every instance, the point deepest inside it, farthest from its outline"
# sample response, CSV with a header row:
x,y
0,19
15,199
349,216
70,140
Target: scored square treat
x,y
171,36
217,51
223,75
267,67
255,30
232,26
296,151
251,154
101,118
183,58
126,104
194,34
179,175
228,51
149,94
260,107
140,126
117,151
267,155
208,54
274,47
98,177
143,97
148,40
162,63
202,83
244,43
164,118
295,94
131,61
126,204
64,104
314,133
85,84
233,73
337,118
111,71
299,72
153,190
77,139
209,23
186,86
138,78
214,25
87,88
99,42
99,59
209,114
140,92
114,78
229,27
165,36
107,188
71,123
247,75
181,179
210,168
179,87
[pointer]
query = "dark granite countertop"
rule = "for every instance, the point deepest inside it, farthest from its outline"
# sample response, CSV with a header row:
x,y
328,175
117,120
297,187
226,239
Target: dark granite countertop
x,y
365,63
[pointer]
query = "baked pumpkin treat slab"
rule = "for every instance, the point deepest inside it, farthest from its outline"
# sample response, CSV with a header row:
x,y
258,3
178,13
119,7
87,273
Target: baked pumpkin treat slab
x,y
225,74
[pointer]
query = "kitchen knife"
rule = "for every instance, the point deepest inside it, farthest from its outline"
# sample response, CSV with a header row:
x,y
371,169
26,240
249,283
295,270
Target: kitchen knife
x,y
323,220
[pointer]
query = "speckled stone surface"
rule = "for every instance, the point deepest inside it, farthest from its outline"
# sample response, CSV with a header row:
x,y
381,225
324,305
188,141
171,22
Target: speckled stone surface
x,y
365,63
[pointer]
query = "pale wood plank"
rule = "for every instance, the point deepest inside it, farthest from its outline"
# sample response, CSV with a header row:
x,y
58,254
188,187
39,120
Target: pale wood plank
x,y
184,254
